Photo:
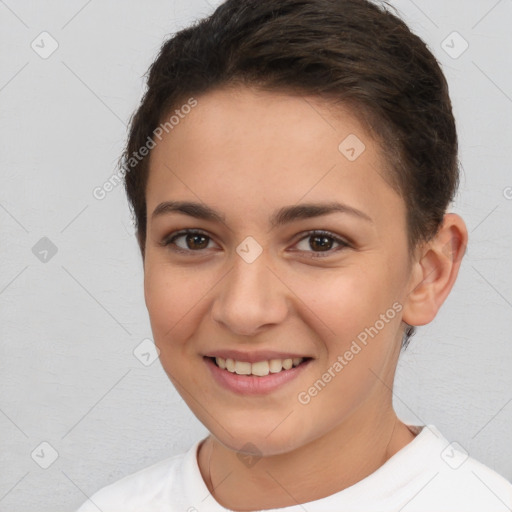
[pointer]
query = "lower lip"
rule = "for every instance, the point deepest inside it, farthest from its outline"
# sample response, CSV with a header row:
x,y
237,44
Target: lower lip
x,y
252,384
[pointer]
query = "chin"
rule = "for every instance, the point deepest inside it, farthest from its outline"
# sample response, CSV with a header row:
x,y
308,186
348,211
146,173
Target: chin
x,y
257,441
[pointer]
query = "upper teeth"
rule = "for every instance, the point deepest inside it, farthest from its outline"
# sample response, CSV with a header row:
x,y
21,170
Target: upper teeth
x,y
261,368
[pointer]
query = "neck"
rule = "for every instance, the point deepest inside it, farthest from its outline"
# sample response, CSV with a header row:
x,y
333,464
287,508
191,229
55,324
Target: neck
x,y
352,451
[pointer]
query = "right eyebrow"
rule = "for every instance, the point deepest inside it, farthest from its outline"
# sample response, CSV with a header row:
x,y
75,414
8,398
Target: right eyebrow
x,y
196,210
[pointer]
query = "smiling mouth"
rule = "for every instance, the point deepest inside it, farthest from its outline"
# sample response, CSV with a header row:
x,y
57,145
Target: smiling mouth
x,y
260,368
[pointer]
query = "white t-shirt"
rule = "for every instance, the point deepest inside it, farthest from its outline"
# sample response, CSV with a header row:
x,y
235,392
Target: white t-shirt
x,y
427,475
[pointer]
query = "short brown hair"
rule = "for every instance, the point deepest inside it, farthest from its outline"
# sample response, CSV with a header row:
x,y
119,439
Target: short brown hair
x,y
352,52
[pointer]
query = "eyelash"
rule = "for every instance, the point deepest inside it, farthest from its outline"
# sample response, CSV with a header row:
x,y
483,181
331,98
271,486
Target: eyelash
x,y
314,254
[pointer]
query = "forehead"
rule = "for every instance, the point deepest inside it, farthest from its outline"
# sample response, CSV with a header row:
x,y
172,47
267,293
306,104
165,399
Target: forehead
x,y
254,149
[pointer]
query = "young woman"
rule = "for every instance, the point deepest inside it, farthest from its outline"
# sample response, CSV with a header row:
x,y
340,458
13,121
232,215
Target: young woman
x,y
290,169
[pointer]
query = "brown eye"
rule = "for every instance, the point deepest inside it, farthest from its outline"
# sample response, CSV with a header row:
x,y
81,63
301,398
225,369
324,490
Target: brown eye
x,y
196,241
189,241
321,242
317,242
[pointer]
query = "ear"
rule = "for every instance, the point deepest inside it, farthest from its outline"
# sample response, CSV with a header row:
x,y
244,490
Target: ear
x,y
435,270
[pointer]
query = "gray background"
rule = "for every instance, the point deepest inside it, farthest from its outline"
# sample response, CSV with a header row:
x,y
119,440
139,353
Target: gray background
x,y
71,321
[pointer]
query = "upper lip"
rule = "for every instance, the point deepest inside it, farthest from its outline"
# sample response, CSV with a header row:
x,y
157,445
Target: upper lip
x,y
254,356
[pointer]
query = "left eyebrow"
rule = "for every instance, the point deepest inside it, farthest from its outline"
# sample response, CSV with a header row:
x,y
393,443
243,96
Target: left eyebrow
x,y
306,211
284,215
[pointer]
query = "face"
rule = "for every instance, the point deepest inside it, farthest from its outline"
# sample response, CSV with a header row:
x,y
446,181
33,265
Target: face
x,y
261,270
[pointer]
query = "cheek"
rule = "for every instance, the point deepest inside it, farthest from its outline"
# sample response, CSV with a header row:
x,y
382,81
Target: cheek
x,y
346,305
173,298
338,304
346,308
343,298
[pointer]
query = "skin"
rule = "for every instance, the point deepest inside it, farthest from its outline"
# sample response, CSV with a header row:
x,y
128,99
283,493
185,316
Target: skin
x,y
246,154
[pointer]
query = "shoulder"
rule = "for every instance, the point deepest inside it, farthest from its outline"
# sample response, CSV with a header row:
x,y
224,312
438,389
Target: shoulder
x,y
149,487
476,484
455,480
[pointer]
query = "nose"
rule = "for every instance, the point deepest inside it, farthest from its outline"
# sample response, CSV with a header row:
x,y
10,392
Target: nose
x,y
251,298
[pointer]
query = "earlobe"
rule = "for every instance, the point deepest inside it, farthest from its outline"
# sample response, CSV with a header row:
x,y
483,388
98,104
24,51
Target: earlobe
x,y
435,271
